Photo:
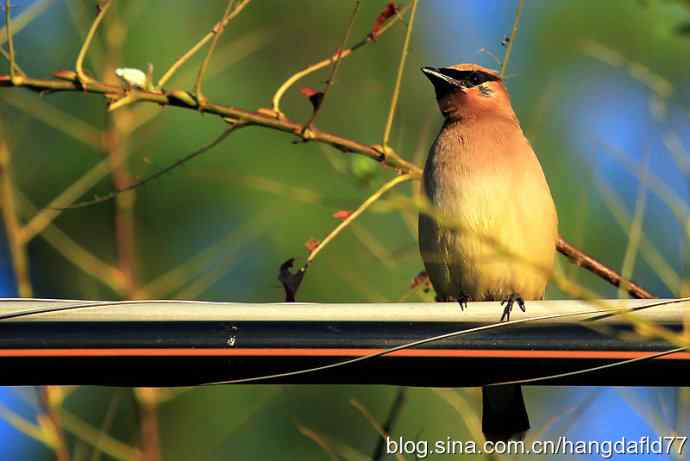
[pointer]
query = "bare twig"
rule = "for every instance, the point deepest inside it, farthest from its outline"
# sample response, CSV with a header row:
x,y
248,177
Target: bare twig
x,y
388,425
217,31
377,427
13,229
99,439
106,424
355,214
75,190
7,56
25,17
57,119
200,44
582,259
325,62
77,254
661,266
147,398
125,187
318,439
118,150
225,248
50,407
513,34
79,65
398,80
334,67
635,231
10,41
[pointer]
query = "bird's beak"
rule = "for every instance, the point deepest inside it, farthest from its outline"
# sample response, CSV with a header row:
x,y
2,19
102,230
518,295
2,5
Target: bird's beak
x,y
439,79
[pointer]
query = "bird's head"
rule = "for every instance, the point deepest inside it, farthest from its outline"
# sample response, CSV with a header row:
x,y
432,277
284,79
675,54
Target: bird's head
x,y
468,90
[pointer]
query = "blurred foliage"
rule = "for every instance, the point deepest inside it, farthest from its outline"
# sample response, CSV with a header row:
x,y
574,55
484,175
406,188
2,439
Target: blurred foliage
x,y
271,195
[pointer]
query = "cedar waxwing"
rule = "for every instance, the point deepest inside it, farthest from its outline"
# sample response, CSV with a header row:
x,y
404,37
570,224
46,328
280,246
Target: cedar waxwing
x,y
494,230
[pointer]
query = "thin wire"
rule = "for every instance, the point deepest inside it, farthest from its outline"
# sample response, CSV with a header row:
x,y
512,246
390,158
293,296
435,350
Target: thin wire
x,y
588,370
416,343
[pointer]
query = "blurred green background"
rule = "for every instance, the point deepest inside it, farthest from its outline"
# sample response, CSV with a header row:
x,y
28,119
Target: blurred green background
x,y
601,92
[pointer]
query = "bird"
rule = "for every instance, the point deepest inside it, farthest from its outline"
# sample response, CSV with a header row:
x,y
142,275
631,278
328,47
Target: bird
x,y
492,230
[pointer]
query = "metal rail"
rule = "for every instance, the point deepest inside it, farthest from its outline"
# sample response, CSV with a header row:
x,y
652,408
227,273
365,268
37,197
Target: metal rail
x,y
172,343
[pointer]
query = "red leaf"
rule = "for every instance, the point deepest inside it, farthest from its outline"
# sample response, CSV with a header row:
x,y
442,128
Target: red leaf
x,y
311,245
342,214
315,97
308,91
390,10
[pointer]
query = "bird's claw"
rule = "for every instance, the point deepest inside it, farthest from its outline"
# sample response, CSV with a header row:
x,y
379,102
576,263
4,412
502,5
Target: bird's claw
x,y
462,302
509,302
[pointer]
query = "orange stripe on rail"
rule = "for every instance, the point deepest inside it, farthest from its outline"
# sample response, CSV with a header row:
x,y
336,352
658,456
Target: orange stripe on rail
x,y
333,352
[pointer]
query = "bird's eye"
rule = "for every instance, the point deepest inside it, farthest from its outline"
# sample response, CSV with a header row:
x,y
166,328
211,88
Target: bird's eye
x,y
475,79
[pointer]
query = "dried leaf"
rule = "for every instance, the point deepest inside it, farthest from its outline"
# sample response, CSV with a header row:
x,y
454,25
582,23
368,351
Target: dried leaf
x,y
342,214
311,245
290,281
390,10
421,280
315,97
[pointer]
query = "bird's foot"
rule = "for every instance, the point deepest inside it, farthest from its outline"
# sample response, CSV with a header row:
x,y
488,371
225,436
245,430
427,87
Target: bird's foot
x,y
461,300
509,302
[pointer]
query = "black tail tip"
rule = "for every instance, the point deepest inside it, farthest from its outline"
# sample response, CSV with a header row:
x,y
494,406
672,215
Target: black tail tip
x,y
504,415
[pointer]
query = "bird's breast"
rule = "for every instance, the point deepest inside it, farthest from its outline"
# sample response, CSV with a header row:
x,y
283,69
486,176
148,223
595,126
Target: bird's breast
x,y
495,224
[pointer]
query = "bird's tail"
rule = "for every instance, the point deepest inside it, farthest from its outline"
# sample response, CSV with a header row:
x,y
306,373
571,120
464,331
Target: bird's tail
x,y
504,416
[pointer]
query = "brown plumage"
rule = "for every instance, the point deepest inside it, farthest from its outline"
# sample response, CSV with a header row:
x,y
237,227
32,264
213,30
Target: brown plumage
x,y
493,234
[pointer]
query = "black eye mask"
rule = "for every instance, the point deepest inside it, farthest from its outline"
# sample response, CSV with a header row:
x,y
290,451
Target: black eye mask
x,y
468,78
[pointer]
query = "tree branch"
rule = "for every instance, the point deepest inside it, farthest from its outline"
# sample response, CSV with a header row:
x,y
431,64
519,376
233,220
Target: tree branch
x,y
183,99
582,259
